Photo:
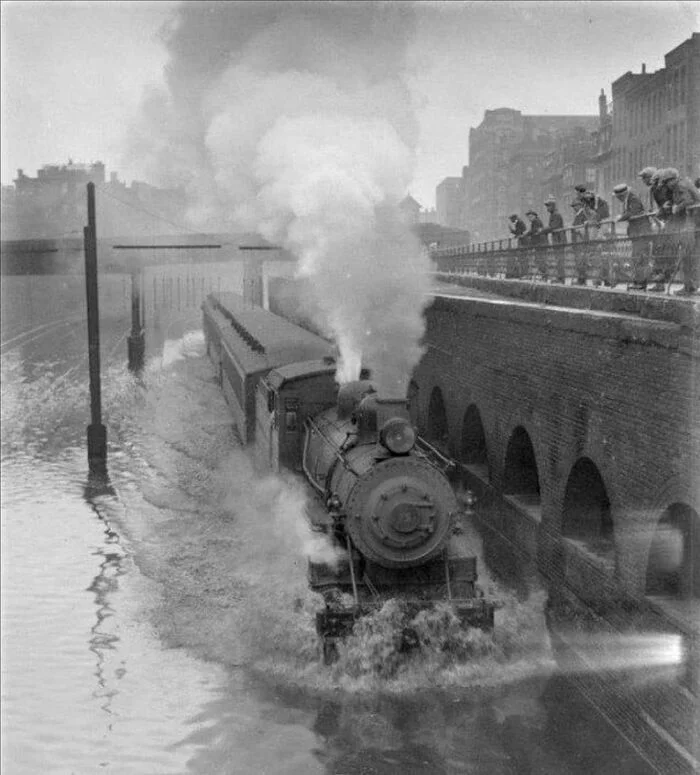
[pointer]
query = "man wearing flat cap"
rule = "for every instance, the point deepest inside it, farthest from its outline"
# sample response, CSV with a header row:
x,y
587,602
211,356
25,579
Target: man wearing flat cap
x,y
517,228
584,221
555,227
537,240
594,202
660,205
637,230
649,178
683,228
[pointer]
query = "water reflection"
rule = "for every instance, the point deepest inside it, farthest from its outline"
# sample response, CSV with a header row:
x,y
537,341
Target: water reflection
x,y
103,586
535,727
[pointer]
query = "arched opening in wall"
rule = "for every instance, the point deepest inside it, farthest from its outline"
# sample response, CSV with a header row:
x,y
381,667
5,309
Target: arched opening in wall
x,y
473,450
437,431
520,475
673,567
586,516
413,407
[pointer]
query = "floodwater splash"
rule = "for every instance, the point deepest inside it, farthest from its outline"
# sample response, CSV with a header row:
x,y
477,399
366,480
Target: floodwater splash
x,y
230,547
296,120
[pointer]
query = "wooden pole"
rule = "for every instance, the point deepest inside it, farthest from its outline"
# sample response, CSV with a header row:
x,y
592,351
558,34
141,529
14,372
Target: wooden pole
x,y
96,431
136,343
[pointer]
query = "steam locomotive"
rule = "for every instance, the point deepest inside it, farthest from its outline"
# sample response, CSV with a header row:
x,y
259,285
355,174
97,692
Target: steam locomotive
x,y
384,498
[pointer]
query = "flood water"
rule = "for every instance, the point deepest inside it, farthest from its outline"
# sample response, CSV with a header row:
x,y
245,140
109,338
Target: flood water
x,y
163,624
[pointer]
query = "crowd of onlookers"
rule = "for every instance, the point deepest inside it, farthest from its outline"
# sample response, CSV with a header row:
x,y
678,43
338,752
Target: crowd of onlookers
x,y
664,233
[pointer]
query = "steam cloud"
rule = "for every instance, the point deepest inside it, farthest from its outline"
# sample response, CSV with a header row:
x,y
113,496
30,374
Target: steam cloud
x,y
295,120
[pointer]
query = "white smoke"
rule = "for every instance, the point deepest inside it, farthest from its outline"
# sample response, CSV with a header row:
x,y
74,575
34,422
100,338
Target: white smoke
x,y
294,119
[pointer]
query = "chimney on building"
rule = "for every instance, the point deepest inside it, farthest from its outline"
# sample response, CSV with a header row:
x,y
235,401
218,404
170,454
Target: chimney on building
x,y
644,68
602,106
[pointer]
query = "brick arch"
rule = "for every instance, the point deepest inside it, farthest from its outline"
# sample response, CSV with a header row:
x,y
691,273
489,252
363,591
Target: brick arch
x,y
437,429
473,449
520,470
673,560
586,514
414,407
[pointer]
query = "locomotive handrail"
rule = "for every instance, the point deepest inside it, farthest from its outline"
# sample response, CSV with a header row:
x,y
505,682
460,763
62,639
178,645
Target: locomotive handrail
x,y
310,478
348,544
311,424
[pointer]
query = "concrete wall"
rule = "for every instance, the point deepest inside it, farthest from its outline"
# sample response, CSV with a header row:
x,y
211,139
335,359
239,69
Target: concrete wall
x,y
617,389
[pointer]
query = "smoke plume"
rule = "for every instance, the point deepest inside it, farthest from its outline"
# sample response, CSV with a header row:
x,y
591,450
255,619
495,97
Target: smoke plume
x,y
295,120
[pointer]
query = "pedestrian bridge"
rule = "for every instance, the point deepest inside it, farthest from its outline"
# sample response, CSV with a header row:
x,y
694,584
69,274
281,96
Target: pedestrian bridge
x,y
589,254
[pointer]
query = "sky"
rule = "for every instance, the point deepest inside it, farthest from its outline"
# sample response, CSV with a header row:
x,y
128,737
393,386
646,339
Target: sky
x,y
74,73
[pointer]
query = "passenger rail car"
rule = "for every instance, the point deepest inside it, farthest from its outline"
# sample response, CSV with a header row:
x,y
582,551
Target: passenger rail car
x,y
383,498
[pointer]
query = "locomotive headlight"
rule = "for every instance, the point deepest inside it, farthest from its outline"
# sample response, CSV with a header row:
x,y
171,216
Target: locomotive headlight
x,y
397,436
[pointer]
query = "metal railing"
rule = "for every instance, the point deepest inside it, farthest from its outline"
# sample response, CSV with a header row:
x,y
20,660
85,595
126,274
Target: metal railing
x,y
602,252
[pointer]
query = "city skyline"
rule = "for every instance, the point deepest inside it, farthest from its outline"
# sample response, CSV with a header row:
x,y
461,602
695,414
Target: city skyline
x,y
71,102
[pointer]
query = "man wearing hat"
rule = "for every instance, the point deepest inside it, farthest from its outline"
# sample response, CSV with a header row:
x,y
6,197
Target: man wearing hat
x,y
537,240
517,229
583,217
650,178
594,202
684,225
580,190
555,227
660,206
637,228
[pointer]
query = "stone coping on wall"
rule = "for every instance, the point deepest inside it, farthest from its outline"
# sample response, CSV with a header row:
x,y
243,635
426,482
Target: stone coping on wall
x,y
624,328
684,311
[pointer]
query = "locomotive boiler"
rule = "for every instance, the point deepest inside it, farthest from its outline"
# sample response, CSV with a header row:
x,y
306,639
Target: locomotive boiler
x,y
395,506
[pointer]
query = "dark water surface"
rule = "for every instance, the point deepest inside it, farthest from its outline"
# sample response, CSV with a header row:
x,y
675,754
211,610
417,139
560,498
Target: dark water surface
x,y
165,626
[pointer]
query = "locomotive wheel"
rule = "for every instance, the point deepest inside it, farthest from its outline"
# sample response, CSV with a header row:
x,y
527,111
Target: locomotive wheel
x,y
400,514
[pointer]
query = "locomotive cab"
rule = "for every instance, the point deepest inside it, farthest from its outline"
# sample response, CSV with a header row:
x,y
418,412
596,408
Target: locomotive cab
x,y
285,399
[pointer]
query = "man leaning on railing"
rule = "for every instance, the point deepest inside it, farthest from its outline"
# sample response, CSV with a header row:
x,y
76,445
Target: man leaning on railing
x,y
638,233
555,228
684,225
584,227
666,237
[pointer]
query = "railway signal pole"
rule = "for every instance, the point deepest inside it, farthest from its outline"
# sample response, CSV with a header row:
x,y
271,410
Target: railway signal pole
x,y
96,431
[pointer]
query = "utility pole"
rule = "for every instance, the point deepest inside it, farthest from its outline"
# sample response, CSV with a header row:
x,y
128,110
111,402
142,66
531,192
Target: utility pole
x,y
96,431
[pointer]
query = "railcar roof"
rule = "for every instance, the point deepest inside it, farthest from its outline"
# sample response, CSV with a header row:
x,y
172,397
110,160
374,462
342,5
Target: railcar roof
x,y
278,377
261,340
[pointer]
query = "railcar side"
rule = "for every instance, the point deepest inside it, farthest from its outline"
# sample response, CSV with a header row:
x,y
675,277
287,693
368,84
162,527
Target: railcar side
x,y
244,343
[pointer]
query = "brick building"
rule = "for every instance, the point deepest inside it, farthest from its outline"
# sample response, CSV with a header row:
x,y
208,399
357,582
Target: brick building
x,y
54,204
508,153
449,202
657,116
